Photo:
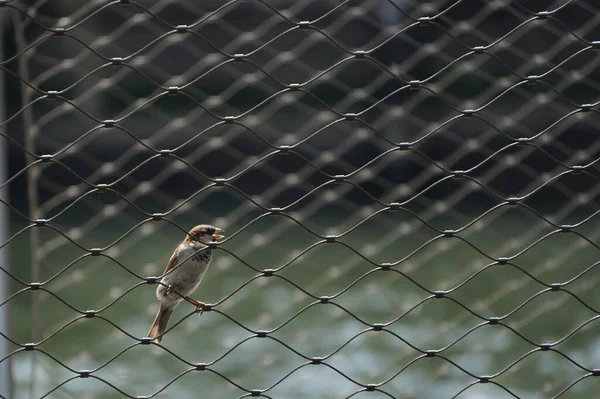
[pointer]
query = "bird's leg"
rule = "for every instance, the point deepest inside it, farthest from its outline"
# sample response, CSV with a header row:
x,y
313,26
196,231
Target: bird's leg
x,y
199,305
169,289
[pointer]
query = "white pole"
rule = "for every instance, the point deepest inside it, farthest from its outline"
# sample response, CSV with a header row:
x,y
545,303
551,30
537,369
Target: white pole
x,y
5,369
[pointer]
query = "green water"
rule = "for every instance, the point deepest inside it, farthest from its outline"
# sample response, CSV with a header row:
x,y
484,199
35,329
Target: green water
x,y
304,328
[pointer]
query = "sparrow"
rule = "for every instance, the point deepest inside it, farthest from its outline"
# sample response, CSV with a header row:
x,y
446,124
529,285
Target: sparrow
x,y
184,272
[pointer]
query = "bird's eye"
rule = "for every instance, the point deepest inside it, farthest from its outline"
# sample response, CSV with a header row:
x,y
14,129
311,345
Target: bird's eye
x,y
210,231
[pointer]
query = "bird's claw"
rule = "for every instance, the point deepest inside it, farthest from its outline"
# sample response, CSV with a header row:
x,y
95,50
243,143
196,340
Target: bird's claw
x,y
169,289
199,306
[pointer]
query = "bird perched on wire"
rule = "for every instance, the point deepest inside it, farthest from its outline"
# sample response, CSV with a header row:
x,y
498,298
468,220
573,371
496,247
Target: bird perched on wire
x,y
183,274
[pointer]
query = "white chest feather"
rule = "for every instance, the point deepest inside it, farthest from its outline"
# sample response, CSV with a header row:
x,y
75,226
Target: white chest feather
x,y
189,269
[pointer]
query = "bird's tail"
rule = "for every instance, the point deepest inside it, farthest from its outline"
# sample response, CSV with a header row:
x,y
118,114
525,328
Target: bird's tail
x,y
160,323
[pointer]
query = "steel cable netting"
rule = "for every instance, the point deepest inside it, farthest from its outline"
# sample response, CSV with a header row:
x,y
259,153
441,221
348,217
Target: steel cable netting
x,y
409,192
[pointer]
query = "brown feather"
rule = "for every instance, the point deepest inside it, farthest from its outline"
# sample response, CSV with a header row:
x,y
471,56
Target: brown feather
x,y
173,261
160,323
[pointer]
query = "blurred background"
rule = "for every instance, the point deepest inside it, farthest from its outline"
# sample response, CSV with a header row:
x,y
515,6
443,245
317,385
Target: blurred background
x,y
471,122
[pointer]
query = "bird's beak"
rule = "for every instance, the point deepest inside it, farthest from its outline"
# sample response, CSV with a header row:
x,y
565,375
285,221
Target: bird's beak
x,y
217,236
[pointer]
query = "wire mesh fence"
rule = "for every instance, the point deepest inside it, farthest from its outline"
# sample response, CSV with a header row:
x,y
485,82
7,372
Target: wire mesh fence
x,y
409,192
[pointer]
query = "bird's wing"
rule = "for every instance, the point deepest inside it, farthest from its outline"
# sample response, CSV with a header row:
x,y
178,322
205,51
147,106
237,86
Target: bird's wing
x,y
172,262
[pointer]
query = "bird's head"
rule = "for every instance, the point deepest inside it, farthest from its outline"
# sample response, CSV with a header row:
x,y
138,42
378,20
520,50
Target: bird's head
x,y
205,233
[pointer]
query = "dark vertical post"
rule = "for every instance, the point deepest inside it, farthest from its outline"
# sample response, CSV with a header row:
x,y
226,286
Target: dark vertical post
x,y
5,369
